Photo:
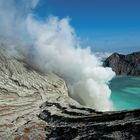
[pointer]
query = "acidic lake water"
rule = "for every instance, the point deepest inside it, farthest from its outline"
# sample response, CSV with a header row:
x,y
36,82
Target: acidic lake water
x,y
125,92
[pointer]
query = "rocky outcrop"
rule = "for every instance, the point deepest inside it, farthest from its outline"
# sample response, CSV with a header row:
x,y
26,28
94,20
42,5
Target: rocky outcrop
x,y
124,64
36,106
83,123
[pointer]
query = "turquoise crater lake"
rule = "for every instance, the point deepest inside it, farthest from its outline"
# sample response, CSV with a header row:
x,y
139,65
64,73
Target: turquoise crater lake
x,y
125,92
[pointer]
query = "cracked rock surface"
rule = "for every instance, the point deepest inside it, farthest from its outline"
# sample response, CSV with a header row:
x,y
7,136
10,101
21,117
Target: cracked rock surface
x,y
36,106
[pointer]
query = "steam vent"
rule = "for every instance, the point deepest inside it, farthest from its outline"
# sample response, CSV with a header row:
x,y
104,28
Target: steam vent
x,y
36,106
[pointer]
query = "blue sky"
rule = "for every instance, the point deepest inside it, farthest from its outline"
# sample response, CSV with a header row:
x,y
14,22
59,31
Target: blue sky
x,y
105,25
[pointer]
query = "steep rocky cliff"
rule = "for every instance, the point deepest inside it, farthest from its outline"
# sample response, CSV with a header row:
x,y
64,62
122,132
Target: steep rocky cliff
x,y
36,106
124,64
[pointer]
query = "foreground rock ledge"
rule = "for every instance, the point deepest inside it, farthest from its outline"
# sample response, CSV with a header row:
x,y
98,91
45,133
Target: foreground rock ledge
x,y
36,106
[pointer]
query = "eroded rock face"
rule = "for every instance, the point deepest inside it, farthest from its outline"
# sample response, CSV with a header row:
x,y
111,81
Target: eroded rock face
x,y
124,64
22,91
36,106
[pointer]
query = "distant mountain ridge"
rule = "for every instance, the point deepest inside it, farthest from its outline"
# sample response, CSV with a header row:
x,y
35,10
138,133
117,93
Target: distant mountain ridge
x,y
124,64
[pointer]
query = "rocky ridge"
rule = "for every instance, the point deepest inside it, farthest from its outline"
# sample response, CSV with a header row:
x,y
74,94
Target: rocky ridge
x,y
36,106
124,64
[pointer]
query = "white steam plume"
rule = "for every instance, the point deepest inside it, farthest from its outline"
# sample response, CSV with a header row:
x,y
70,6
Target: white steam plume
x,y
56,48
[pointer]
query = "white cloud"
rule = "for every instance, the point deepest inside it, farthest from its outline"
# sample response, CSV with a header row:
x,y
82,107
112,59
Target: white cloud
x,y
103,55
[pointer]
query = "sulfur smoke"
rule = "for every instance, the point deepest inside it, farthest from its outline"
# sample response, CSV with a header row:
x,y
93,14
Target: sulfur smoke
x,y
56,48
